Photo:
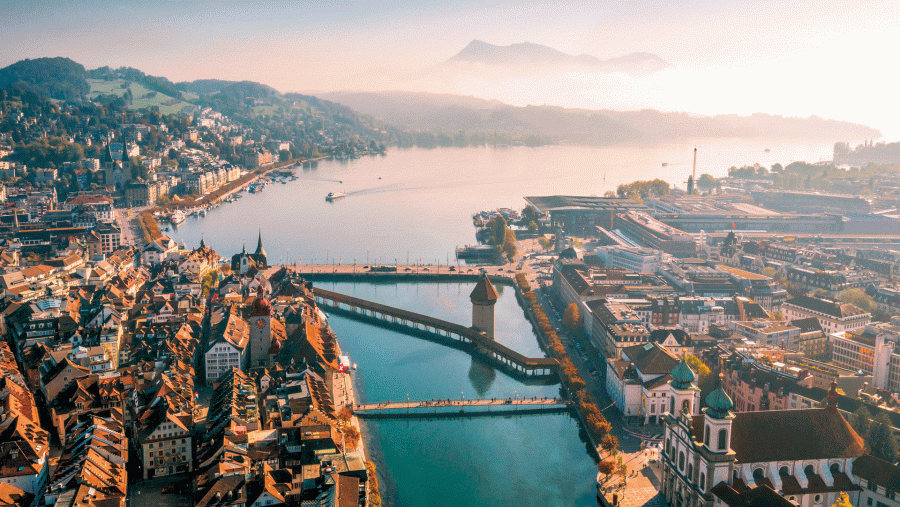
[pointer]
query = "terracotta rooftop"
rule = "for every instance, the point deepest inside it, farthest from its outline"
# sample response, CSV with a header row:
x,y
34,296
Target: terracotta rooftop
x,y
791,435
484,291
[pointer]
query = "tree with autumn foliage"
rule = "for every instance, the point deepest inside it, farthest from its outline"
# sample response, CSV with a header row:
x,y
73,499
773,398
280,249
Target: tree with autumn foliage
x,y
571,318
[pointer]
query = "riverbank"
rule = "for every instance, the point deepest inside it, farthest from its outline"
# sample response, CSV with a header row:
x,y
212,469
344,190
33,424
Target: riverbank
x,y
344,396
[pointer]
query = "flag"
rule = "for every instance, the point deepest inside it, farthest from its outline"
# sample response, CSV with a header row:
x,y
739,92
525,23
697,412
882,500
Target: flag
x,y
732,225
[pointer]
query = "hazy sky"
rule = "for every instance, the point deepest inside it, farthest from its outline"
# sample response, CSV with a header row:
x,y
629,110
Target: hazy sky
x,y
834,59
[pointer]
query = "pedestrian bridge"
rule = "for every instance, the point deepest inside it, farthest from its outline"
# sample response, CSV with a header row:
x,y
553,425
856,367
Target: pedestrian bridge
x,y
473,341
461,407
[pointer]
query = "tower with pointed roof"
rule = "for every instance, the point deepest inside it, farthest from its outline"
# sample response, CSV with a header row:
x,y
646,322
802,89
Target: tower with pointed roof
x,y
685,396
260,329
717,423
484,296
260,254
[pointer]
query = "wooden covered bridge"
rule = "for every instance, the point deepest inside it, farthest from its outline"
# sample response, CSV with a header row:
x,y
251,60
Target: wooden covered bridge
x,y
477,341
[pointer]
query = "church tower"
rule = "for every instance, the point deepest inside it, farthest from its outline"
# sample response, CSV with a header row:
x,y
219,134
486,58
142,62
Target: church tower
x,y
717,427
260,254
126,162
483,297
260,330
245,260
685,397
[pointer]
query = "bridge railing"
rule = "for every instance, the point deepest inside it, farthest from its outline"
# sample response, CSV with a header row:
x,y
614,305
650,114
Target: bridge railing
x,y
475,336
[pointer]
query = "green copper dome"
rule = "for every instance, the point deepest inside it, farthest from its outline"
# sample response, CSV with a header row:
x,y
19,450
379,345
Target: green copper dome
x,y
682,375
718,403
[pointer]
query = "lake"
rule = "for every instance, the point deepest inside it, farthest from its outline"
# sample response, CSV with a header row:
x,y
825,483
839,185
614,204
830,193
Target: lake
x,y
417,204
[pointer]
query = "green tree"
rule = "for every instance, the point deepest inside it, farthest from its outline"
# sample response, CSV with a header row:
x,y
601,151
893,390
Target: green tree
x,y
769,271
707,182
859,298
545,242
497,226
861,421
882,443
509,245
529,214
533,227
571,318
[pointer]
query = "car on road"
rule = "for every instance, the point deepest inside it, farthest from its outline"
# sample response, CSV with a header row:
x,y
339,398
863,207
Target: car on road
x,y
426,269
407,268
452,268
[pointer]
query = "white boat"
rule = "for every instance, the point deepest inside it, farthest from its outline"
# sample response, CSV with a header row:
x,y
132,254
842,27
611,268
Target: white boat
x,y
334,195
177,217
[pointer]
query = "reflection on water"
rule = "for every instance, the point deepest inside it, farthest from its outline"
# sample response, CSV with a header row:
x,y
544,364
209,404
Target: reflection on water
x,y
481,376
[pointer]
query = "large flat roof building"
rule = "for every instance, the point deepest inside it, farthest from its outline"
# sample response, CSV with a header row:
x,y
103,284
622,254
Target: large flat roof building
x,y
579,214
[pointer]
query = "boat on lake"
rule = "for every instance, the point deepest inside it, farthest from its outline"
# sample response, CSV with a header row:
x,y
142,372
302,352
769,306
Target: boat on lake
x,y
334,195
177,217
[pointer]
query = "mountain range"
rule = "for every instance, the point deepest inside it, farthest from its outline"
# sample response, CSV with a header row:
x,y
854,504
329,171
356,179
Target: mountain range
x,y
453,113
401,116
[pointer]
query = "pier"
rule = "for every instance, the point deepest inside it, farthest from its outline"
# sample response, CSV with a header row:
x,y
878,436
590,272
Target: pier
x,y
462,407
466,338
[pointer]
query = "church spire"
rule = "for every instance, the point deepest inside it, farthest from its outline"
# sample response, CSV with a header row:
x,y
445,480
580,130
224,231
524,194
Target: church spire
x,y
259,247
124,148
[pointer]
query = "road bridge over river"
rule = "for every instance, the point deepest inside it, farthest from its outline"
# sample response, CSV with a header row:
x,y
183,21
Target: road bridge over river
x,y
469,339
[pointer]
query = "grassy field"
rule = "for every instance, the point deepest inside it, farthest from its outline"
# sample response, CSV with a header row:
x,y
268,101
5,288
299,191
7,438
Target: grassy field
x,y
142,98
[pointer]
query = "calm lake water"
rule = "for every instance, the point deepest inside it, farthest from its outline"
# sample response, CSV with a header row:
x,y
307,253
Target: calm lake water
x,y
538,460
417,204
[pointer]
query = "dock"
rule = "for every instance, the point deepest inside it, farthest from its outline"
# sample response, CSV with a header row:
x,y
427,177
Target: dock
x,y
471,340
461,408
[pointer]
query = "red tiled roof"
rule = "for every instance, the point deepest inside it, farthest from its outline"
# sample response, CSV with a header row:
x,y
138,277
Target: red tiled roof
x,y
484,291
790,435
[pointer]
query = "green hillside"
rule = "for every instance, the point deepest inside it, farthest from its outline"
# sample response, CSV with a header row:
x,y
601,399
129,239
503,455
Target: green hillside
x,y
141,96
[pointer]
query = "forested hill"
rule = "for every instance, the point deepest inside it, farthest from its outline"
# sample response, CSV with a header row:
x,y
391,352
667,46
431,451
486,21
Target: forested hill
x,y
56,78
293,117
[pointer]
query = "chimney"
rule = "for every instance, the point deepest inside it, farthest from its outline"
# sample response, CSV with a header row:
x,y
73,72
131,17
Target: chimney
x,y
695,165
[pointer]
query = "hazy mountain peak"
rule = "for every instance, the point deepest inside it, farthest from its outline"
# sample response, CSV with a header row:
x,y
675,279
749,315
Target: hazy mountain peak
x,y
528,54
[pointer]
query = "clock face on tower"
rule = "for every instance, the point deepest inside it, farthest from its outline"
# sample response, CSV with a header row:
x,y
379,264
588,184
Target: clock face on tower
x,y
260,323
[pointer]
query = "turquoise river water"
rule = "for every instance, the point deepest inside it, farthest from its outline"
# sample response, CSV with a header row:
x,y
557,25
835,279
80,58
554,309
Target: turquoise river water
x,y
539,460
